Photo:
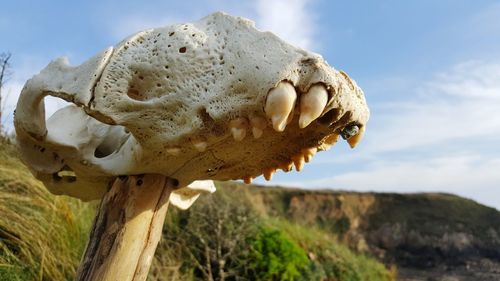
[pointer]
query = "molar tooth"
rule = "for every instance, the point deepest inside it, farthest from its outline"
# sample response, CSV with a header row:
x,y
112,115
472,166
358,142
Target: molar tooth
x,y
286,166
328,141
247,180
258,125
312,105
200,145
239,128
331,139
268,173
279,105
173,150
354,140
299,161
309,153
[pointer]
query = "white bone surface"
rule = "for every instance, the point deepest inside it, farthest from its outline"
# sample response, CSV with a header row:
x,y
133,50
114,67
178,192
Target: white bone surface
x,y
164,101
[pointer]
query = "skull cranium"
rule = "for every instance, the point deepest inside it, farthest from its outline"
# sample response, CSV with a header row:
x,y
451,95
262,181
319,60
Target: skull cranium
x,y
211,100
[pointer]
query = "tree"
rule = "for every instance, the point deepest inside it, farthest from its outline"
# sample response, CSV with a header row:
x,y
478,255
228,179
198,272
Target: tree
x,y
4,75
213,236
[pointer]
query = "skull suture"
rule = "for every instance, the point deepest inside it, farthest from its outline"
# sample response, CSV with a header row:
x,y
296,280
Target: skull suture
x,y
211,100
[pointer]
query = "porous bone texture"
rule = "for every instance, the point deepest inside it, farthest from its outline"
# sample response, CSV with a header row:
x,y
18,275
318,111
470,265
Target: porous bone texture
x,y
183,101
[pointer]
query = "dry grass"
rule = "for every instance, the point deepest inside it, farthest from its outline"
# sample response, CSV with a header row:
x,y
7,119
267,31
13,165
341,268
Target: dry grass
x,y
41,235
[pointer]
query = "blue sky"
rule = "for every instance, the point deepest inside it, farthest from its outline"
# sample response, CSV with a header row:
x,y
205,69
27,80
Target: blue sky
x,y
430,71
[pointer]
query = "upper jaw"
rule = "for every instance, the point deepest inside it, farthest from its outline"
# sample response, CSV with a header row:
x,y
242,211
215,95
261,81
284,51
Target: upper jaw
x,y
195,111
295,123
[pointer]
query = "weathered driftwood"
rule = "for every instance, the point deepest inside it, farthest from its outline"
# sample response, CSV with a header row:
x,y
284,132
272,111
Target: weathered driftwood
x,y
126,230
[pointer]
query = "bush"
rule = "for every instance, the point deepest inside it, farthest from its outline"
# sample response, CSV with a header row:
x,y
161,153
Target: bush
x,y
273,256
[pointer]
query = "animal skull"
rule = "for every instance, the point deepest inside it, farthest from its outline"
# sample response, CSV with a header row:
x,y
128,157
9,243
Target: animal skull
x,y
211,100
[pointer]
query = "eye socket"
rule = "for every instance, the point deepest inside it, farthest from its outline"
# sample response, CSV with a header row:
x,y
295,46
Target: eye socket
x,y
349,131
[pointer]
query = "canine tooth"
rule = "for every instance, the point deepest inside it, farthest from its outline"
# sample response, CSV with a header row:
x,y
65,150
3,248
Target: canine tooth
x,y
247,180
354,140
299,161
312,105
199,145
309,153
258,125
268,173
173,150
279,104
239,128
290,116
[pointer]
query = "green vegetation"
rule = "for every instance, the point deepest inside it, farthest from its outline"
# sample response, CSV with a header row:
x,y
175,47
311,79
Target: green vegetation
x,y
274,256
222,237
330,258
436,214
41,236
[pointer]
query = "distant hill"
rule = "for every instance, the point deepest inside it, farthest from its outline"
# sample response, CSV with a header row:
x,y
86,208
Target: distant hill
x,y
42,237
426,234
300,234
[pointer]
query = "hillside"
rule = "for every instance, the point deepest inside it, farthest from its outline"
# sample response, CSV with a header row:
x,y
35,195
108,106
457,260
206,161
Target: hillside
x,y
319,235
42,238
427,234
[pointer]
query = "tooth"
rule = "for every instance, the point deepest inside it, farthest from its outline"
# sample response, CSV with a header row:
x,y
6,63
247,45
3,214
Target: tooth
x,y
328,141
299,161
66,174
349,131
312,105
258,125
290,116
309,153
173,150
199,145
239,128
286,166
331,139
353,141
257,132
247,180
279,104
268,173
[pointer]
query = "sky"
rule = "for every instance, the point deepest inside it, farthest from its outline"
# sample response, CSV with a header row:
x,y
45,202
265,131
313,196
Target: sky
x,y
430,71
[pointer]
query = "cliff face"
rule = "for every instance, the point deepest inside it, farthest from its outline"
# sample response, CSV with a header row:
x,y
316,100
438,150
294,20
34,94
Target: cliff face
x,y
428,234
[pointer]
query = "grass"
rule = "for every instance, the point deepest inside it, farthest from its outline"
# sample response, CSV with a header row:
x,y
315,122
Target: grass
x,y
436,214
331,258
42,236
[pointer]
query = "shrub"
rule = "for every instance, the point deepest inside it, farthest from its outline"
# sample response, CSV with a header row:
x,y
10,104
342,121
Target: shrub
x,y
273,256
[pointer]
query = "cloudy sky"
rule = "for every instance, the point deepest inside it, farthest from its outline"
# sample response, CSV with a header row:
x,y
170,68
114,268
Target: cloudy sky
x,y
430,71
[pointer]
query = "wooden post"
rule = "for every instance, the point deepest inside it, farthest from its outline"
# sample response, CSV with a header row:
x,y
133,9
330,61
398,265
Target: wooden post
x,y
126,230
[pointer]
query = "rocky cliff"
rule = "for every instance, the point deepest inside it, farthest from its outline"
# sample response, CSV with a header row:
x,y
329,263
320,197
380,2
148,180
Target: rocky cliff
x,y
427,235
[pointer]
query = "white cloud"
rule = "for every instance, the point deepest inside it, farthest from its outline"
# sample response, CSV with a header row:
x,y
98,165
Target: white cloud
x,y
460,104
292,20
289,19
24,68
443,138
450,174
486,22
470,80
470,176
124,27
